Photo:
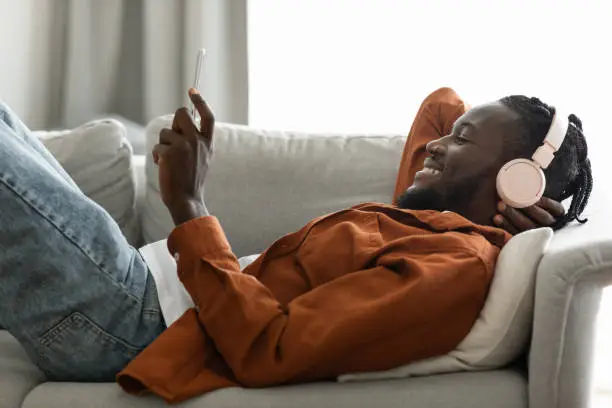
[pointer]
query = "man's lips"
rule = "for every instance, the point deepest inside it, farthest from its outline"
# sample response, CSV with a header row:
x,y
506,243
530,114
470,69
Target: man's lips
x,y
431,170
432,164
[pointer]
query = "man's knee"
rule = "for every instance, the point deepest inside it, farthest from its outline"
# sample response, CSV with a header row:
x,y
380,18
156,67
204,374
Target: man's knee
x,y
7,115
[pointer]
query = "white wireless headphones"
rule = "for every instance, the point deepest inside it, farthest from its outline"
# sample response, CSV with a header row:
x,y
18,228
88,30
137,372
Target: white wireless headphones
x,y
521,182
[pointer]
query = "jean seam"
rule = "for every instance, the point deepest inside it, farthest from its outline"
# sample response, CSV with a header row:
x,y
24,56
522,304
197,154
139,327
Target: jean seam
x,y
5,119
3,180
151,312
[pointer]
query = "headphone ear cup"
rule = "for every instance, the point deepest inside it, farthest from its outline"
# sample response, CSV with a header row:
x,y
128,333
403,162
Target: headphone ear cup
x,y
521,183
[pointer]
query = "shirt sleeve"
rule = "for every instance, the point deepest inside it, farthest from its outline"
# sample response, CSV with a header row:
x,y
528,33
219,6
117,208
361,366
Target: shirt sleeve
x,y
435,119
401,309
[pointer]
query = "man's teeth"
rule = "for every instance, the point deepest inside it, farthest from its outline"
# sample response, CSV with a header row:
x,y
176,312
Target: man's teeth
x,y
433,172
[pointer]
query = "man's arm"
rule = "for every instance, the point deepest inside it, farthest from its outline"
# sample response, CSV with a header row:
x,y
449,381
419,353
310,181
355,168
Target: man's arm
x,y
405,307
187,210
435,119
183,155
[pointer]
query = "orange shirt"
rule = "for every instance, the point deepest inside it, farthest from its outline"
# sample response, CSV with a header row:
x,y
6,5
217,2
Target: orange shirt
x,y
364,289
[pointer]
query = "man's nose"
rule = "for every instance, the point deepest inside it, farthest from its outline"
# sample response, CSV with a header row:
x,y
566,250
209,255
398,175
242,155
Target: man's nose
x,y
436,147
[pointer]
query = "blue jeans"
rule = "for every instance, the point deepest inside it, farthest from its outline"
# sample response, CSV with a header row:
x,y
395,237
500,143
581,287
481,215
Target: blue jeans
x,y
73,292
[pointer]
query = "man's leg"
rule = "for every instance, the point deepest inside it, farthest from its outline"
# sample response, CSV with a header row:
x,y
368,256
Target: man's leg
x,y
10,119
76,295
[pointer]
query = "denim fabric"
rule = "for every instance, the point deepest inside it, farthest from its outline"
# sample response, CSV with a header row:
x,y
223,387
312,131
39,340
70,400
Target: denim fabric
x,y
75,294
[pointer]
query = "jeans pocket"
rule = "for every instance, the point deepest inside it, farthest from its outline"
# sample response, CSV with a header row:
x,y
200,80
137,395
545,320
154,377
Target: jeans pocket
x,y
77,349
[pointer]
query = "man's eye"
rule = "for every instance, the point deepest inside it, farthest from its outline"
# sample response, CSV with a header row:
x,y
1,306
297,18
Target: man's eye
x,y
460,140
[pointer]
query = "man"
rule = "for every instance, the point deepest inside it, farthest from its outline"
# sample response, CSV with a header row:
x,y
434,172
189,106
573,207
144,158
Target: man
x,y
364,289
435,119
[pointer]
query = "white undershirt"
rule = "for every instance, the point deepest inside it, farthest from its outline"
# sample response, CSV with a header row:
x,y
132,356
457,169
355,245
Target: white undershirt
x,y
174,300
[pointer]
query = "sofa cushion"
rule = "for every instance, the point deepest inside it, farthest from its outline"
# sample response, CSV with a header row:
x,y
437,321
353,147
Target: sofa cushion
x,y
18,376
264,184
98,157
499,389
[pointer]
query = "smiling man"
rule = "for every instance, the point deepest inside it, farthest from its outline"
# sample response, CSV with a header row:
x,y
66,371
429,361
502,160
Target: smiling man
x,y
364,289
460,151
457,174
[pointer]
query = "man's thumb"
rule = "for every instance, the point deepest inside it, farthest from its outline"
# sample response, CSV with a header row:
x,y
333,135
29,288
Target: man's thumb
x,y
206,116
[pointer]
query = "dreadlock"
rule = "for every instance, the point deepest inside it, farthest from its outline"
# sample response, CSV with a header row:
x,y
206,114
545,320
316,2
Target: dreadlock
x,y
569,174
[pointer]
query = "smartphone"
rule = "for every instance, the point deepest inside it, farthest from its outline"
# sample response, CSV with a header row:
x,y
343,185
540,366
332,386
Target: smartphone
x,y
197,75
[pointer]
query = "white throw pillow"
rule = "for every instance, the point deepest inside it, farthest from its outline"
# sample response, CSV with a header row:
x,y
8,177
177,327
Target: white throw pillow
x,y
502,331
98,157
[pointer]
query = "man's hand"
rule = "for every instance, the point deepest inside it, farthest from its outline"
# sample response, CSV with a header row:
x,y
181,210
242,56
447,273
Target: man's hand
x,y
183,155
542,214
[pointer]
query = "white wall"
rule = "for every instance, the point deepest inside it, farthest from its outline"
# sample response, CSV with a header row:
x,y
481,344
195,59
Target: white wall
x,y
26,52
365,65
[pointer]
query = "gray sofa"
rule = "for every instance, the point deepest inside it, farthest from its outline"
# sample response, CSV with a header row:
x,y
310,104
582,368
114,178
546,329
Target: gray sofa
x,y
264,184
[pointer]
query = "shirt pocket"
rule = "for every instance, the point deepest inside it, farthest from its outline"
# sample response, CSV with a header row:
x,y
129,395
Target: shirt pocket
x,y
332,250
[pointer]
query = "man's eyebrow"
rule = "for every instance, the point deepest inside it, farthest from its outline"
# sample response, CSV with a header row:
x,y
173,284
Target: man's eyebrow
x,y
458,125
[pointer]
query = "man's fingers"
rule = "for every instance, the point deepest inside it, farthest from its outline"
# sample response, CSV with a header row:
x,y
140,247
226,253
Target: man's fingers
x,y
503,223
516,218
183,123
539,215
207,118
159,151
553,207
168,136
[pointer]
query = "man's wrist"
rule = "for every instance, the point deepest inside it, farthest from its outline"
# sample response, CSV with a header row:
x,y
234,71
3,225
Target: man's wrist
x,y
187,210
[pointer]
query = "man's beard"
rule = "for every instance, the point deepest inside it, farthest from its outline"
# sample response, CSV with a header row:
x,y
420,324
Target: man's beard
x,y
456,199
421,199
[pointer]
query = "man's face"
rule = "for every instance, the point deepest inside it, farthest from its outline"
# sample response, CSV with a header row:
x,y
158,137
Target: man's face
x,y
462,167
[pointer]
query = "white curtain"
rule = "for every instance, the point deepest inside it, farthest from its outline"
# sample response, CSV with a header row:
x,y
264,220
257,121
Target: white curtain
x,y
67,61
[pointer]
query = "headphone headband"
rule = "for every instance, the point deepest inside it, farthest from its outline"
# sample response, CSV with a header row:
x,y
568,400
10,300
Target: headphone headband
x,y
557,131
521,182
553,140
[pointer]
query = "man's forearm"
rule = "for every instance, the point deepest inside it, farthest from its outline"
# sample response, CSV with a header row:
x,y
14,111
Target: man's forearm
x,y
187,210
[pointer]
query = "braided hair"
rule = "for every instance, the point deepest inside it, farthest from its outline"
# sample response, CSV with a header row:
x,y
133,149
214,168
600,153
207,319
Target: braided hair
x,y
569,174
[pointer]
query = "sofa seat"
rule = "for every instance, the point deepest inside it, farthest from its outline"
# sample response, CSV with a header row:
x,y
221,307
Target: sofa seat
x,y
18,376
499,389
22,385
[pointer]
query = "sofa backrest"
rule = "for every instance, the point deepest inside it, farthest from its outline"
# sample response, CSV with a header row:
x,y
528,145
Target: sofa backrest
x,y
264,184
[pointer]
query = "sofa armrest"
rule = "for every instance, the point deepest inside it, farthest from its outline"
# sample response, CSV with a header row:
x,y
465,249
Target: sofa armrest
x,y
571,277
